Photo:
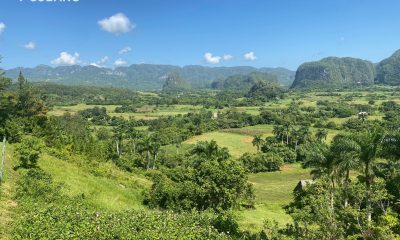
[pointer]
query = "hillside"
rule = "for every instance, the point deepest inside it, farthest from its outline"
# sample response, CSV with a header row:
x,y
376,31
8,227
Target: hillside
x,y
175,82
139,76
242,82
388,70
334,72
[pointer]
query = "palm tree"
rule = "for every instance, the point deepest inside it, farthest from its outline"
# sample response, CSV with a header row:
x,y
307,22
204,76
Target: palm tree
x,y
365,147
346,159
391,145
155,147
210,150
369,144
287,131
278,131
257,142
118,136
320,158
146,146
321,134
134,135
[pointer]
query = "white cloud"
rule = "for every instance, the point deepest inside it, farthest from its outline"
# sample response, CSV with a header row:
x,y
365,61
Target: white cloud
x,y
227,57
2,27
250,56
101,62
66,59
211,59
118,23
30,45
125,50
120,62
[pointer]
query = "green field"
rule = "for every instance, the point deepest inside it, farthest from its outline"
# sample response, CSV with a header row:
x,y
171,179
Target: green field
x,y
237,144
239,140
273,191
105,186
145,112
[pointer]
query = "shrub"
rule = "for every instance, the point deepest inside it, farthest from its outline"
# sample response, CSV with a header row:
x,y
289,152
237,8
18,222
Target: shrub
x,y
261,162
29,151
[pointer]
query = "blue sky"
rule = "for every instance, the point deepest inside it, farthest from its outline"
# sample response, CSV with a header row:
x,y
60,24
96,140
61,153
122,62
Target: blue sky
x,y
272,33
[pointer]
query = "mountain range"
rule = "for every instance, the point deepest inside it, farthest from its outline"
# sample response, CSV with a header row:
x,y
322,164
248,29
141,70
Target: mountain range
x,y
140,76
325,73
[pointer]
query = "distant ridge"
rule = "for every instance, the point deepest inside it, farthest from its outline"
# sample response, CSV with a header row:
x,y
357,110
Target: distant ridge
x,y
140,76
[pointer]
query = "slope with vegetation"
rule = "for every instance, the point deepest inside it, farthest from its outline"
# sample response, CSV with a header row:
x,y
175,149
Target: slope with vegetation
x,y
174,82
388,70
334,72
242,82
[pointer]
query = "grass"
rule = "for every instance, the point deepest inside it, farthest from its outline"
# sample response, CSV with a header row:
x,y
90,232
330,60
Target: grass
x,y
237,144
61,110
261,129
112,190
7,192
273,191
146,112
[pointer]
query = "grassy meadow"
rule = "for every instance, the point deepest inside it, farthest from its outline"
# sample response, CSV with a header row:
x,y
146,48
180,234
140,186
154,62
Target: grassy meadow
x,y
273,190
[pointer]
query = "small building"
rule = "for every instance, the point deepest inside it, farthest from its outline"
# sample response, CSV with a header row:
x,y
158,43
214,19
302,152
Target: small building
x,y
302,184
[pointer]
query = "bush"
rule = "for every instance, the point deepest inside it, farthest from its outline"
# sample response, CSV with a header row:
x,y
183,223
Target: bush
x,y
261,162
72,219
37,185
211,179
43,212
29,151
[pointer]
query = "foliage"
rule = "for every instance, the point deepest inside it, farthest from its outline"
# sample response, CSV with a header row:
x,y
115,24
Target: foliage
x,y
209,180
265,91
261,162
29,151
243,83
44,213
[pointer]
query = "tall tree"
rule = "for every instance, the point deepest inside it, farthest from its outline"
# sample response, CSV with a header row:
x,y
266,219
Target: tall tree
x,y
279,131
28,102
257,141
365,147
345,159
321,134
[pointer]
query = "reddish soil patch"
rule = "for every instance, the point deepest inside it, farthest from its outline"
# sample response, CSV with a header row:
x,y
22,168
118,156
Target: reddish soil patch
x,y
247,139
149,118
286,167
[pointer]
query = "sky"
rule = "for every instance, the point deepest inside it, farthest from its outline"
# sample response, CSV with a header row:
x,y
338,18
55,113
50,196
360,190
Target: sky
x,y
259,33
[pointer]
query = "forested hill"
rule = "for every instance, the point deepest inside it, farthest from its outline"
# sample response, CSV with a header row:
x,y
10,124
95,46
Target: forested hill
x,y
334,72
388,71
242,82
140,76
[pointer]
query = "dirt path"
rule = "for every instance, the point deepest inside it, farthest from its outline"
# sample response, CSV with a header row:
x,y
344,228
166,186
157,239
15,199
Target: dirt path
x,y
7,191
